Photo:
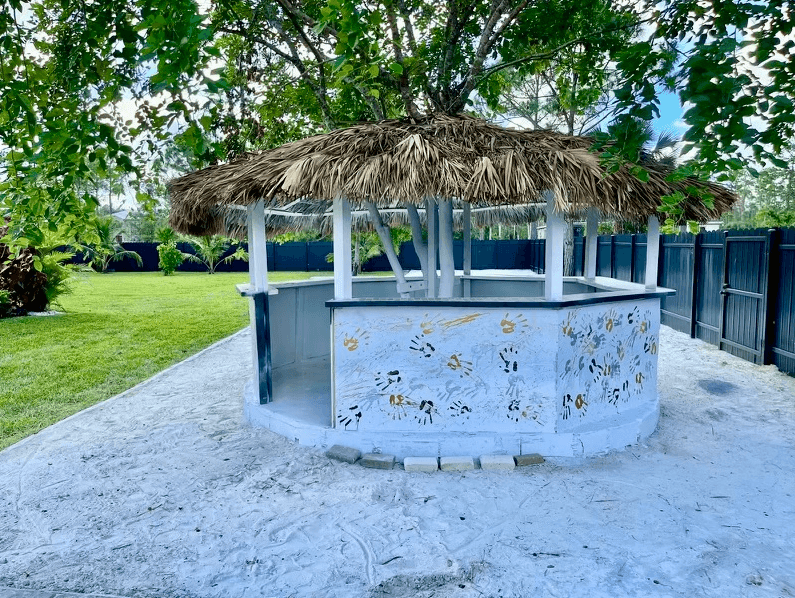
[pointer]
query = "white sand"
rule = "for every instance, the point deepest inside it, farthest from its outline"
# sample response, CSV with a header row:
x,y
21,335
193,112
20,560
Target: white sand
x,y
163,492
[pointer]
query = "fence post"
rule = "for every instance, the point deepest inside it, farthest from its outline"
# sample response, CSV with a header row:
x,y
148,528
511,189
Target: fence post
x,y
769,286
697,240
632,258
612,256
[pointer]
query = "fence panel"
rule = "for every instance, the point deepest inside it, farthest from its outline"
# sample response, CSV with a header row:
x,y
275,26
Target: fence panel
x,y
579,256
604,256
484,255
709,284
783,338
744,294
639,268
290,257
149,257
316,255
624,256
676,272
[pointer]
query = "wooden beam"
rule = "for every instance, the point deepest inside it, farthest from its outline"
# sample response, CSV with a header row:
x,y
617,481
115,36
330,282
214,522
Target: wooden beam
x,y
433,246
556,229
591,242
652,252
467,248
257,247
343,285
258,308
446,263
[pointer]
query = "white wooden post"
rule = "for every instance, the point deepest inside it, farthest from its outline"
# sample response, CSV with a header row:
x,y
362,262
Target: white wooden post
x,y
257,252
343,285
652,252
467,248
591,238
446,263
430,217
556,229
259,313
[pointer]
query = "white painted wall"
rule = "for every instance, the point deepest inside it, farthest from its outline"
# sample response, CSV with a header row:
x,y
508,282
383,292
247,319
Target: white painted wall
x,y
470,369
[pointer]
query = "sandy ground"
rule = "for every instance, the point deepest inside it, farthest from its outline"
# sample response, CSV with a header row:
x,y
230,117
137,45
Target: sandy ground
x,y
163,492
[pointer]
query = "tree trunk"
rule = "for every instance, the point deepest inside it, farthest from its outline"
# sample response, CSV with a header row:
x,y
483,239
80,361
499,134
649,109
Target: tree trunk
x,y
568,249
357,265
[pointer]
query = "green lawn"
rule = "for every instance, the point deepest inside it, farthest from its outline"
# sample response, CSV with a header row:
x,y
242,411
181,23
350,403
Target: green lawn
x,y
118,330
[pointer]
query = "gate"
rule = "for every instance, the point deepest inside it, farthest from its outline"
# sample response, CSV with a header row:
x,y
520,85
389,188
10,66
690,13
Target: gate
x,y
744,300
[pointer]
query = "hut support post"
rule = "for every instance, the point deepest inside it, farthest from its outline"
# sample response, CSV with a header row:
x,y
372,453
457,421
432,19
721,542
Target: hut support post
x,y
446,263
343,285
652,252
556,229
591,238
420,247
430,213
386,241
467,248
258,306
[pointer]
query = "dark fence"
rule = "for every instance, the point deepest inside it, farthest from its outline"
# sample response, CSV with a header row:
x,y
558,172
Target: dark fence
x,y
734,289
312,256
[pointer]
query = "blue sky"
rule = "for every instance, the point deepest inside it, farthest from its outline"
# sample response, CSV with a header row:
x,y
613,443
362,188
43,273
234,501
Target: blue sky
x,y
670,113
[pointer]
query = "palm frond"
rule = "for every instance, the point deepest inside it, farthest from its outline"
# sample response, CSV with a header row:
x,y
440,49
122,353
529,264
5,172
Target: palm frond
x,y
395,163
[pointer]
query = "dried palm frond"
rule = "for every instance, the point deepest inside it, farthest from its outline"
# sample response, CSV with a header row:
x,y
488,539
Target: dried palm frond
x,y
395,163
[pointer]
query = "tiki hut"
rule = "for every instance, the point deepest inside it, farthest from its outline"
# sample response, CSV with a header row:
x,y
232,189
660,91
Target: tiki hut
x,y
451,360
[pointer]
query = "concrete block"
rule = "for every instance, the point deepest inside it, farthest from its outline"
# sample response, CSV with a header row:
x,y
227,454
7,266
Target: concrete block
x,y
377,461
343,453
531,459
427,464
500,462
456,463
17,593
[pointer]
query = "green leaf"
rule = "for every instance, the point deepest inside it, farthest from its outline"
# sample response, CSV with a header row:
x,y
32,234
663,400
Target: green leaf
x,y
373,70
396,68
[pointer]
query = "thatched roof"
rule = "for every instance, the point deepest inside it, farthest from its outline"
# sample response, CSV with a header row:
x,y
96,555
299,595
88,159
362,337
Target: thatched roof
x,y
400,162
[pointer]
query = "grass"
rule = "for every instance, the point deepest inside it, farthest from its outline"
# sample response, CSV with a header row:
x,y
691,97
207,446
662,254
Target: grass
x,y
118,330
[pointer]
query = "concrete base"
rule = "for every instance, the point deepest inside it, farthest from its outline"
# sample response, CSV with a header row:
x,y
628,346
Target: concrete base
x,y
302,413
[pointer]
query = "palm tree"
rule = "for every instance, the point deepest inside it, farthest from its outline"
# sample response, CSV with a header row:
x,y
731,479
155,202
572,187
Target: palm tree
x,y
209,251
106,248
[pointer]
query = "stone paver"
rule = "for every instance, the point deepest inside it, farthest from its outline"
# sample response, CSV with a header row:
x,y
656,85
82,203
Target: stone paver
x,y
344,453
377,461
424,464
530,459
456,463
497,462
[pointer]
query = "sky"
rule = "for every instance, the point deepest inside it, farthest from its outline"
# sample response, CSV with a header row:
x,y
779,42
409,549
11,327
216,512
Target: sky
x,y
670,114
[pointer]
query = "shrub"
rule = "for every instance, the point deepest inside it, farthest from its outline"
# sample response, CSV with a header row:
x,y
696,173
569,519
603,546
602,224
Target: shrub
x,y
5,302
33,279
170,257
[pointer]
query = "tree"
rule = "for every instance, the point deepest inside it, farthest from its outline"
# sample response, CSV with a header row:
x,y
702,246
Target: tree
x,y
106,249
766,200
291,67
731,64
210,251
64,69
